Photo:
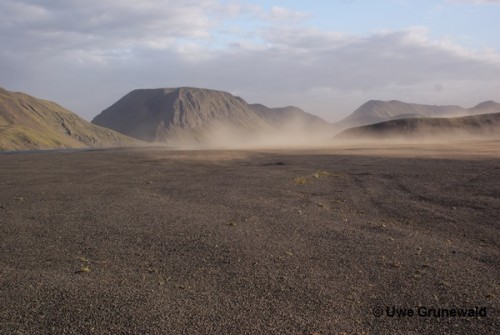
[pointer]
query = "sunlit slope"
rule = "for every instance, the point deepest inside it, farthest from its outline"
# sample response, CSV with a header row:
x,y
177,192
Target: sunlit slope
x,y
30,123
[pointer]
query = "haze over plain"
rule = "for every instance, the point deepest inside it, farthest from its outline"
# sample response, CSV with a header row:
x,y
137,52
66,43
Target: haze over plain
x,y
327,58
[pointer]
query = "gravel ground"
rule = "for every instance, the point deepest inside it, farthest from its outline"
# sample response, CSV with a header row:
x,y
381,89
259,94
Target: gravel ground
x,y
155,241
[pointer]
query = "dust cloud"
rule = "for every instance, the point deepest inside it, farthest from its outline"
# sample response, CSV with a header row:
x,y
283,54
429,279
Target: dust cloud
x,y
228,135
295,135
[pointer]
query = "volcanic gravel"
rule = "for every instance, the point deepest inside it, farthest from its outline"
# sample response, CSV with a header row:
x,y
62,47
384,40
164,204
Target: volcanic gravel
x,y
156,241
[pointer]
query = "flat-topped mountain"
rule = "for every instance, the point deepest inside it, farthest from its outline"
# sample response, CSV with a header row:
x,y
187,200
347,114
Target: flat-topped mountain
x,y
29,123
196,115
421,128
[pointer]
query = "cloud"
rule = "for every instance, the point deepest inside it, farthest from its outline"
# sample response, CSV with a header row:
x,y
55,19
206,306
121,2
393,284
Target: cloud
x,y
76,25
87,55
475,2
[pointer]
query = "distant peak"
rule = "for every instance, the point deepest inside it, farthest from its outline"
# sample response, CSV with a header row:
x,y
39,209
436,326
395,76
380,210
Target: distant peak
x,y
370,104
373,102
486,104
381,102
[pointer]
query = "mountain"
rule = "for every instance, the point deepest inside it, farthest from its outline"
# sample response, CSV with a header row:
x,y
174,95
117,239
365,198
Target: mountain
x,y
30,123
160,115
290,116
486,107
375,111
475,125
196,115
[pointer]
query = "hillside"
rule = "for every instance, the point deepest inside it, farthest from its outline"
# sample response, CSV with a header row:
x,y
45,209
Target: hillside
x,y
28,123
475,125
199,116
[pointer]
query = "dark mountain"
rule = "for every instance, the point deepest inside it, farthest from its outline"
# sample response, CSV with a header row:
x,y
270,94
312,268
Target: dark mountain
x,y
475,125
29,123
195,115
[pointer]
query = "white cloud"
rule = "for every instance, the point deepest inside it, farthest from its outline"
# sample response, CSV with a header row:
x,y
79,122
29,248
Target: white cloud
x,y
87,54
101,24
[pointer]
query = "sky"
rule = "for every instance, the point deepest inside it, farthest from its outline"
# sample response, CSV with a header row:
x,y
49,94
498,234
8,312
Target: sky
x,y
326,57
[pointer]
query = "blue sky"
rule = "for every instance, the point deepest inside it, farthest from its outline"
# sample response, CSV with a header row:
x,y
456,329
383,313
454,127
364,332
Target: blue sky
x,y
327,57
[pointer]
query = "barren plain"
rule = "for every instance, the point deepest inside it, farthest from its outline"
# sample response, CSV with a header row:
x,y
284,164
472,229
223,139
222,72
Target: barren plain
x,y
325,241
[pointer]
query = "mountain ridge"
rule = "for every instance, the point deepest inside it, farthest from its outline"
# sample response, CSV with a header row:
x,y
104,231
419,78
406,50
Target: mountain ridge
x,y
376,111
198,116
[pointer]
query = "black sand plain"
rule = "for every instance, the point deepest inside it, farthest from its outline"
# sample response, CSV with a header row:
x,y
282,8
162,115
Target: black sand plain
x,y
157,241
